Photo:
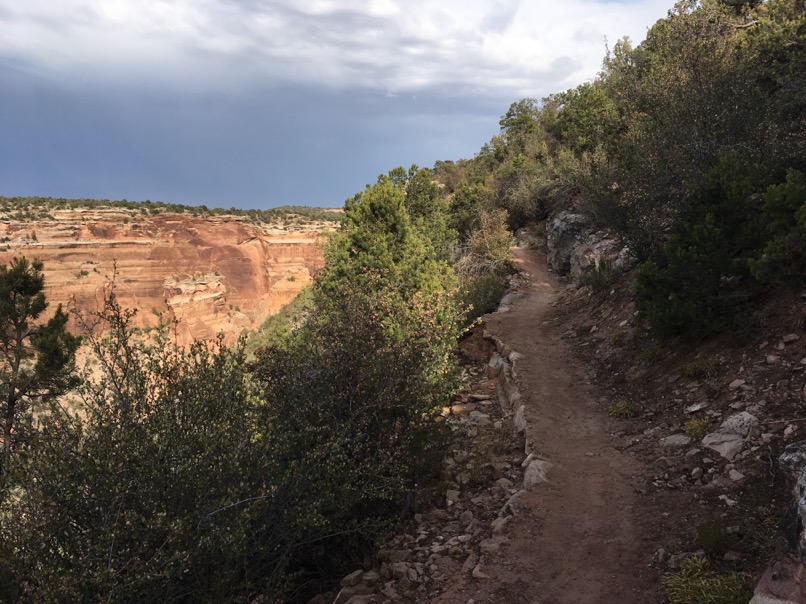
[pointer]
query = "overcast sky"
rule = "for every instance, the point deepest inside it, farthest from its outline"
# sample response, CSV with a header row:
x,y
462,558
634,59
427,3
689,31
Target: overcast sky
x,y
258,103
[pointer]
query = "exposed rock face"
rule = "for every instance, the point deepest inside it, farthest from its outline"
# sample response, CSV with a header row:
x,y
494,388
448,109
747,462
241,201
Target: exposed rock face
x,y
215,274
564,231
575,247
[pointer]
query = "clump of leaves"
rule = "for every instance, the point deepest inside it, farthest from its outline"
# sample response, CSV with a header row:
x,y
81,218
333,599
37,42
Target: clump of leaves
x,y
694,585
701,368
622,410
696,428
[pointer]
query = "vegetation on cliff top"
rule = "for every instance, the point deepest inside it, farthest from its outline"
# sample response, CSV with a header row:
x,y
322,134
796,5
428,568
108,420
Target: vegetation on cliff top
x,y
39,208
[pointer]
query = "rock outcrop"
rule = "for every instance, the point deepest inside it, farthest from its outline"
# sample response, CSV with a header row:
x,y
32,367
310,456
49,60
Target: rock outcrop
x,y
574,246
214,274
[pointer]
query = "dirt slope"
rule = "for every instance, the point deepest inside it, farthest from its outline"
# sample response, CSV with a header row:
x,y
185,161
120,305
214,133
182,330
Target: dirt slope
x,y
581,537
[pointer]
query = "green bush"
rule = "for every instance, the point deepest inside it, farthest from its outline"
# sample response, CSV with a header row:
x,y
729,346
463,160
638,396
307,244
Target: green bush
x,y
481,294
622,410
696,428
701,368
691,290
693,585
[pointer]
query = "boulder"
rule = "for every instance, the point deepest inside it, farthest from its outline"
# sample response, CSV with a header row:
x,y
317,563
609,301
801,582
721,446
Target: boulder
x,y
729,438
563,232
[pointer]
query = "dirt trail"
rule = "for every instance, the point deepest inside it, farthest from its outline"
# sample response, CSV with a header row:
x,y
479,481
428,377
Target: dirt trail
x,y
580,538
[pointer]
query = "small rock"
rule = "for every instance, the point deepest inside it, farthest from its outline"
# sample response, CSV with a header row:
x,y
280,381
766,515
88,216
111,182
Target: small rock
x,y
451,496
697,473
772,359
675,441
480,419
470,563
731,556
499,524
790,337
735,475
790,430
504,483
736,384
728,501
479,574
353,578
696,407
536,473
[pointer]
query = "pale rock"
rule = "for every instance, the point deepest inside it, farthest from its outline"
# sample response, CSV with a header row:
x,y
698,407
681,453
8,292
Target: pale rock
x,y
736,384
735,475
742,423
790,337
730,437
772,359
675,441
480,419
353,578
494,365
536,473
470,563
696,407
697,473
499,524
520,419
451,496
478,573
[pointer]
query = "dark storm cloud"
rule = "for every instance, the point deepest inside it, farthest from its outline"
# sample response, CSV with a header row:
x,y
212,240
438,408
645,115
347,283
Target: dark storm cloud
x,y
254,103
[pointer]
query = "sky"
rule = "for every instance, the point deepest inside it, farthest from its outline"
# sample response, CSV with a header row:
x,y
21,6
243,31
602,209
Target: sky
x,y
260,103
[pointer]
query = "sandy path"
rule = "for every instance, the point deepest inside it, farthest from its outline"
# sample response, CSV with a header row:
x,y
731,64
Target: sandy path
x,y
578,538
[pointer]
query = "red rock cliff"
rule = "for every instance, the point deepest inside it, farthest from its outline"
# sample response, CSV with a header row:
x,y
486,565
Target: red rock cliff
x,y
214,274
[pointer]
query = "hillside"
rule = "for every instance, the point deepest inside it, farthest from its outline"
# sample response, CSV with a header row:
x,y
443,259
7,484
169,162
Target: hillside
x,y
214,273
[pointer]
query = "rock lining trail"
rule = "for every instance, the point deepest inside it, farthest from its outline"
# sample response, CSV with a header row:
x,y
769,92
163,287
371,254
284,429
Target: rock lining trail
x,y
580,537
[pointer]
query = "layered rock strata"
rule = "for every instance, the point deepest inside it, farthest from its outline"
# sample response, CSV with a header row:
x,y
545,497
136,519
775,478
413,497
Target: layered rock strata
x,y
214,274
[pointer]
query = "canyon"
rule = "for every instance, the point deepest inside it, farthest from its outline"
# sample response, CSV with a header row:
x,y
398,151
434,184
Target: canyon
x,y
211,273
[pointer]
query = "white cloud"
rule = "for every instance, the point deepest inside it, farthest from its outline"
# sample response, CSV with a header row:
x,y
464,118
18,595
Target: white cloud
x,y
495,48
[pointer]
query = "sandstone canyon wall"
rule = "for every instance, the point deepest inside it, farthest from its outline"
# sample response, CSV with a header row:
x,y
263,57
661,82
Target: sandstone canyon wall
x,y
214,274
